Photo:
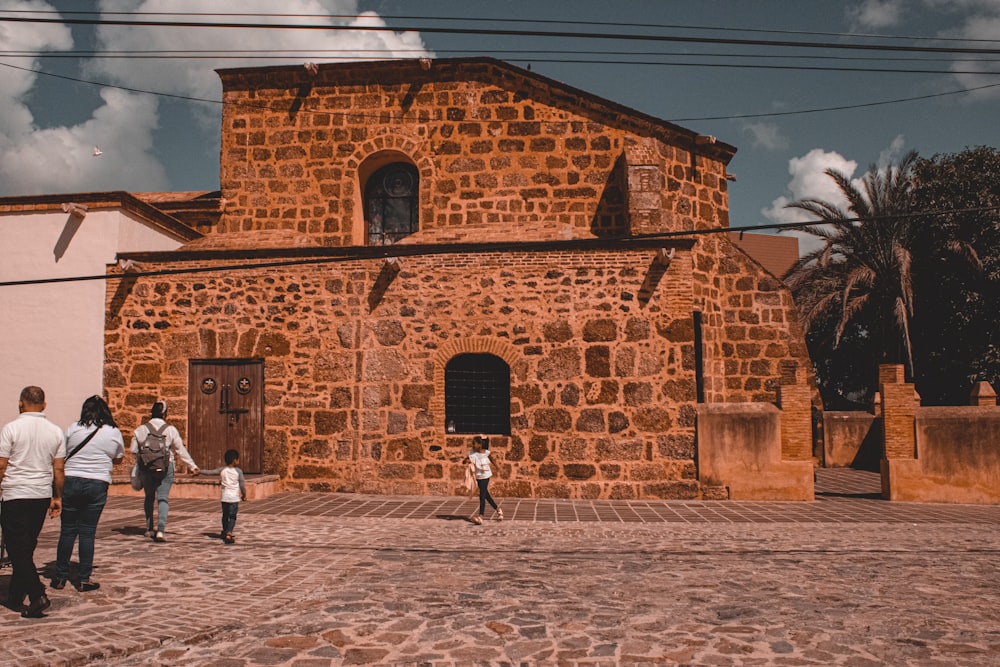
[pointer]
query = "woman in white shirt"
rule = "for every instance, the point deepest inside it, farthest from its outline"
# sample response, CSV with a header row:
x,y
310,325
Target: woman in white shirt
x,y
479,459
93,445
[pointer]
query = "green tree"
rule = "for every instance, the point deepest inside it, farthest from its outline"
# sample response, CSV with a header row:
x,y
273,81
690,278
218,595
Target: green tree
x,y
957,321
858,287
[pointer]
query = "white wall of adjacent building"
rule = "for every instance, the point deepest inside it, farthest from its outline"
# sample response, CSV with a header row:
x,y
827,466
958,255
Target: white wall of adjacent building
x,y
52,335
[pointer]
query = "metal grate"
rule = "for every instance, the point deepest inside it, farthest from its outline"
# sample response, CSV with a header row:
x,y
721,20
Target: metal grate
x,y
391,203
477,394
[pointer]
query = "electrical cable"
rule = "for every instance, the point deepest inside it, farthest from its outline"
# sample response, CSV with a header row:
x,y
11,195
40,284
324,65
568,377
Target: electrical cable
x,y
570,61
548,34
377,252
480,19
356,54
189,98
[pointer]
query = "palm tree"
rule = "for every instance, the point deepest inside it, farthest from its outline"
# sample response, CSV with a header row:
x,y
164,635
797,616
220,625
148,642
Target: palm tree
x,y
860,281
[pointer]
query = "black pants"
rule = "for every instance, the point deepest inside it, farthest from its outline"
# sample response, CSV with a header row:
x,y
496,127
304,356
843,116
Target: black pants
x,y
484,495
22,521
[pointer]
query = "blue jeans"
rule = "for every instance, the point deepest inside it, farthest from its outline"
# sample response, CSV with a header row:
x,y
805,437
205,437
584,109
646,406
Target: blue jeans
x,y
229,511
83,501
158,492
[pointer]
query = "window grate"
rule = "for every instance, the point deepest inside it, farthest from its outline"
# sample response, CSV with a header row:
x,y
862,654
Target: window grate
x,y
477,394
392,203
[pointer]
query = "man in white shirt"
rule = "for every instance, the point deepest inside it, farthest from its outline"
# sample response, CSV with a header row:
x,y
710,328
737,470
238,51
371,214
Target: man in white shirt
x,y
31,481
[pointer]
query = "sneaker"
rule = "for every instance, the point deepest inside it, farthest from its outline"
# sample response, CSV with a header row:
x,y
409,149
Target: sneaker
x,y
86,586
476,519
36,607
159,537
229,539
499,515
58,584
149,533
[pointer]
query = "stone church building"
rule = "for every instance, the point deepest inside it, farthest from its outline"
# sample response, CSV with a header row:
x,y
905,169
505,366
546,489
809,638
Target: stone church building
x,y
408,253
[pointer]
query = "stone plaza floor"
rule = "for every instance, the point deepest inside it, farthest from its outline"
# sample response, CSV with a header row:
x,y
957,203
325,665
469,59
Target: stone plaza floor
x,y
340,579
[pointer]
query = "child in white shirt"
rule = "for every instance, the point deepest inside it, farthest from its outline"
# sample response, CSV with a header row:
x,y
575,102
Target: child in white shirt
x,y
233,491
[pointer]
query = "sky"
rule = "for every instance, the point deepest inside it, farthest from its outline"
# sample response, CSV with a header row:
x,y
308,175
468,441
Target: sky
x,y
792,111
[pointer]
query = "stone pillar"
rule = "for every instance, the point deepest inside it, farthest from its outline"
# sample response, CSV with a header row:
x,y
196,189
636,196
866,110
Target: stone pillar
x,y
795,401
983,395
899,412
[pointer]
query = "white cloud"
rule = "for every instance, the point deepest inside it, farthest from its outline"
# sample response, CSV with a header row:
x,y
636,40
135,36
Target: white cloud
x,y
16,119
979,20
810,181
875,14
197,78
59,159
892,154
983,25
766,135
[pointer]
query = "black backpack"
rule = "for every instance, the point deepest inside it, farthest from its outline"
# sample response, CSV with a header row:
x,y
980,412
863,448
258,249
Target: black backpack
x,y
154,453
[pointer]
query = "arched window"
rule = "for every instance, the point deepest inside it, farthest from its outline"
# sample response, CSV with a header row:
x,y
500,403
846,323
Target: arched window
x,y
477,394
391,203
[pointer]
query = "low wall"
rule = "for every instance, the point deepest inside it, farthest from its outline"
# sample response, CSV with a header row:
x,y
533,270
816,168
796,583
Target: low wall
x,y
203,487
739,447
852,440
958,458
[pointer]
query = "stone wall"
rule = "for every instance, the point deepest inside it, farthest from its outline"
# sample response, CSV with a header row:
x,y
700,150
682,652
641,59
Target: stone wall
x,y
937,454
740,450
602,389
493,145
598,332
752,336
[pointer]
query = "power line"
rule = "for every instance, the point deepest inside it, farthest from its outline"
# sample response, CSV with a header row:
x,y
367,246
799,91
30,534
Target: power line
x,y
838,108
480,19
356,53
587,61
378,252
245,105
496,32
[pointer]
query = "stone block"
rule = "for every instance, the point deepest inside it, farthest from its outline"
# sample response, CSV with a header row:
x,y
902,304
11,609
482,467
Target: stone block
x,y
600,330
560,364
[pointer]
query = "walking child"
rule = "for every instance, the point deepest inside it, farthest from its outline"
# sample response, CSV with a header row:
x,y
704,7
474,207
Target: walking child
x,y
479,459
233,491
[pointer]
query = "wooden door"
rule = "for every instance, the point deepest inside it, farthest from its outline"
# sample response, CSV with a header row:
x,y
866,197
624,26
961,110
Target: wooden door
x,y
226,411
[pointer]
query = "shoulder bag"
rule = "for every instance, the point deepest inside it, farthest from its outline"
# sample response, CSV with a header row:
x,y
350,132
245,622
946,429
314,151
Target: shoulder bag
x,y
80,446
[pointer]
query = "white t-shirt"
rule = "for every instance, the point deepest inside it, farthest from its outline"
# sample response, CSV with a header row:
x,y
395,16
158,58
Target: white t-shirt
x,y
95,459
30,443
481,463
232,480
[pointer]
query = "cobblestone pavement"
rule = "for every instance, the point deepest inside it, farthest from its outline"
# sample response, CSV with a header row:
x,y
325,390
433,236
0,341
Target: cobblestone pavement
x,y
333,579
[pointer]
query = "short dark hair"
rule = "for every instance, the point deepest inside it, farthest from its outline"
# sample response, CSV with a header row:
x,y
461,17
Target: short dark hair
x,y
32,395
159,409
230,456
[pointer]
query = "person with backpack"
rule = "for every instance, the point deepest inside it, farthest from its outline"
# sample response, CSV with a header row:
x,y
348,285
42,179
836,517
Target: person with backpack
x,y
93,446
156,446
479,460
